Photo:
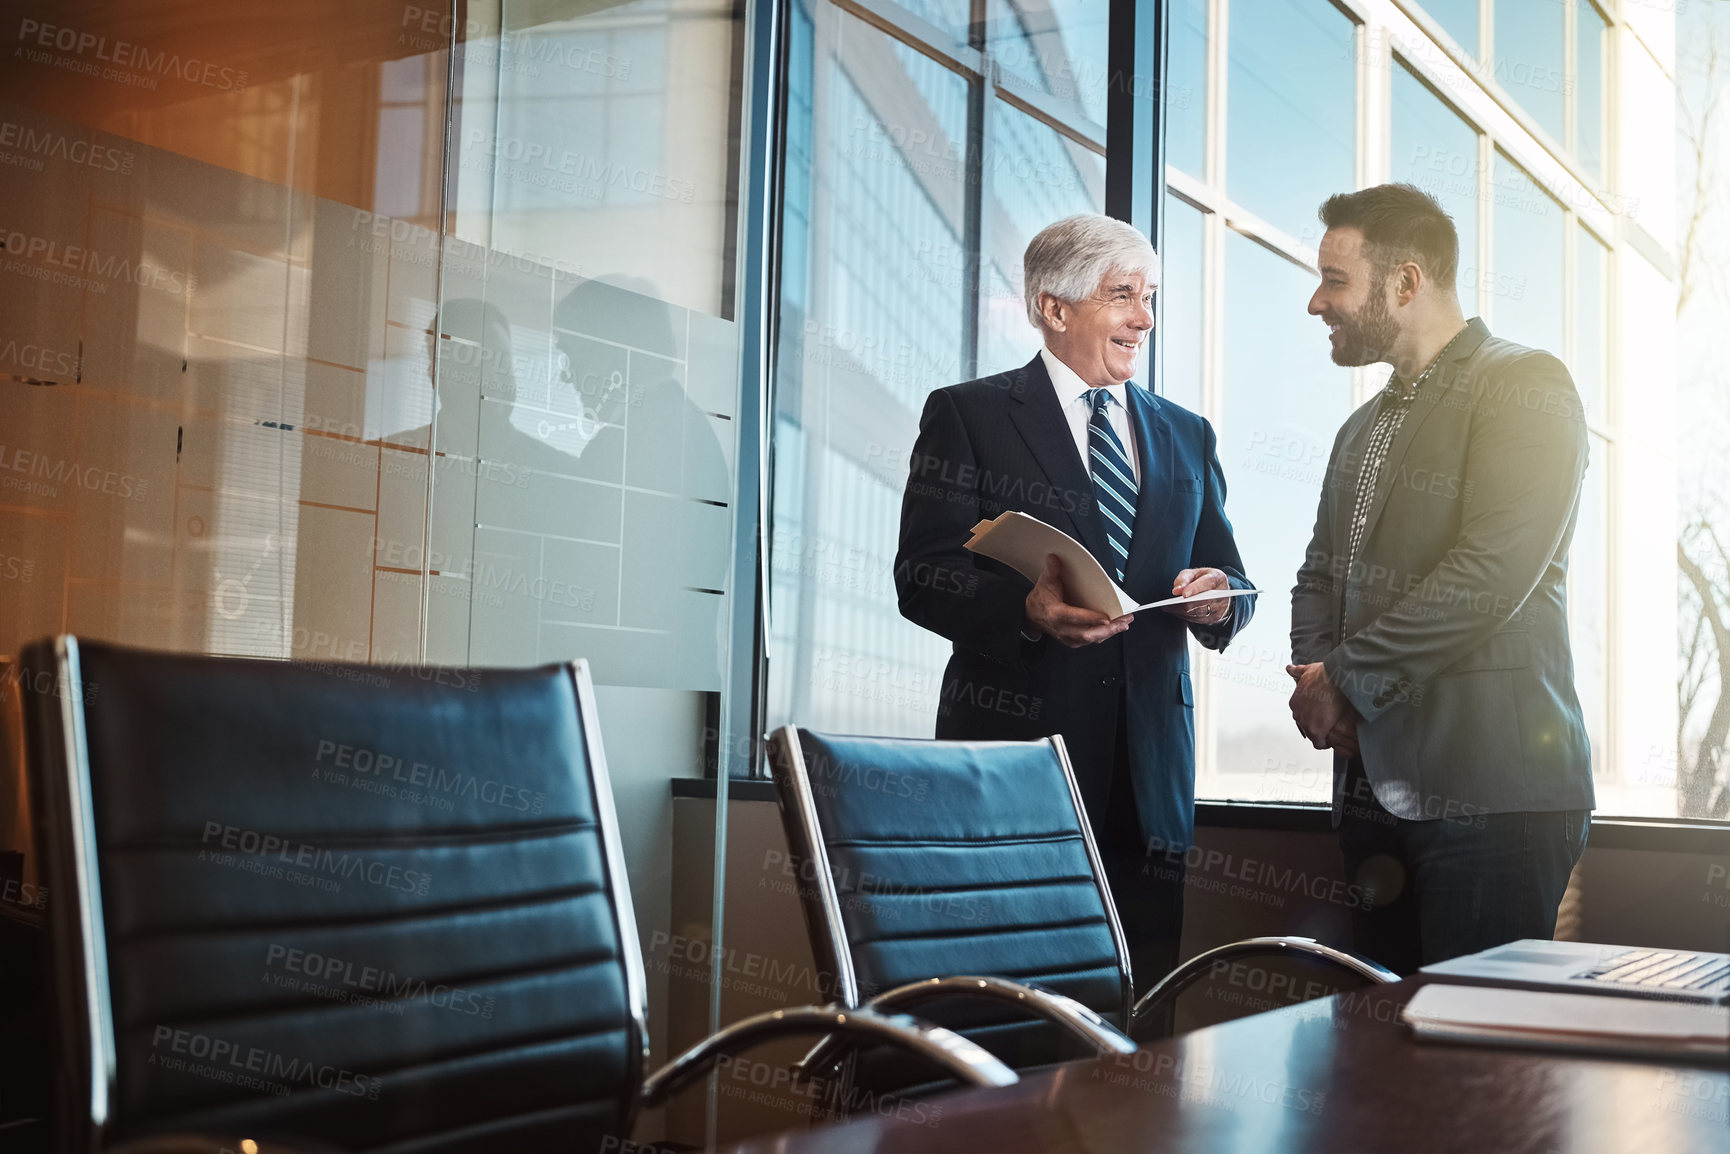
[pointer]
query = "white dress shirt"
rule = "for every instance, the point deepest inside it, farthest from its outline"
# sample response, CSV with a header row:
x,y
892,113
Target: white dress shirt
x,y
1072,398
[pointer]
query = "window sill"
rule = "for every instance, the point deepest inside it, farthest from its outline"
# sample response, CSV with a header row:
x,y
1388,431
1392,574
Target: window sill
x,y
1660,835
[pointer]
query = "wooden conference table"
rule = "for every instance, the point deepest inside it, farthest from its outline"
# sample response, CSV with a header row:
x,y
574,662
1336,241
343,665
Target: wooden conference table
x,y
1338,1074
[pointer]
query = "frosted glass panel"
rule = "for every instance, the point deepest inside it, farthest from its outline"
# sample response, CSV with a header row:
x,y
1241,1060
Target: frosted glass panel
x,y
379,333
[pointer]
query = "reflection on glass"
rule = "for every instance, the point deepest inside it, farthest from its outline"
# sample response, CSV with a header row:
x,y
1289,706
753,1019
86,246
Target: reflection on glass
x,y
1527,301
294,388
603,140
1589,323
157,388
1283,402
1292,138
1459,19
1436,150
946,101
1057,46
953,17
1180,294
589,154
1589,88
1529,45
598,493
1033,175
1185,89
872,320
286,406
410,143
796,187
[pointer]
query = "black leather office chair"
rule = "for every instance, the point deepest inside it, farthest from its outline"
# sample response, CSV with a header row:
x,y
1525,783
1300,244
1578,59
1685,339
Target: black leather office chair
x,y
946,868
376,910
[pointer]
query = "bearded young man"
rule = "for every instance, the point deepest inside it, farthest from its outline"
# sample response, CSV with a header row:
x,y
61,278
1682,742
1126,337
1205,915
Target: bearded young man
x,y
1429,620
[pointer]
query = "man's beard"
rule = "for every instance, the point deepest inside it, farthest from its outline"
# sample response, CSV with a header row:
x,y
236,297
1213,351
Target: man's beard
x,y
1368,337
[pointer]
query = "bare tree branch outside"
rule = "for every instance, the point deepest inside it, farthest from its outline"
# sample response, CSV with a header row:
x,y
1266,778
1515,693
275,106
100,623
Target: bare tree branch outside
x,y
1703,322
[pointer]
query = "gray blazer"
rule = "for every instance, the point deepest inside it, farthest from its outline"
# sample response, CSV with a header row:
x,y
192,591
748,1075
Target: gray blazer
x,y
1450,632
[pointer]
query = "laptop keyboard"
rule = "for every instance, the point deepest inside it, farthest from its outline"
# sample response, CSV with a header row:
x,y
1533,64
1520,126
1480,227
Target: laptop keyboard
x,y
1664,970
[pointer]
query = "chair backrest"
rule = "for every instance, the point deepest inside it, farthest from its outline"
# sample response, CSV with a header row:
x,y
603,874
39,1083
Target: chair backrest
x,y
923,859
379,908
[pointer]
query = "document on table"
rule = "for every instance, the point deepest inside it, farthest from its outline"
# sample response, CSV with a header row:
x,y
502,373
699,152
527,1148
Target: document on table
x,y
1022,543
1594,1023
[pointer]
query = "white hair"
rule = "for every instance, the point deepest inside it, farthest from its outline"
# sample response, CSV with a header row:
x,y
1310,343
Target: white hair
x,y
1070,258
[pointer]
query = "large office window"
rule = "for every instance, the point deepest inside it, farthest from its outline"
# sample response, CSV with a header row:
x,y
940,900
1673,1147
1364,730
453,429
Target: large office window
x,y
1297,123
1033,175
903,163
1530,51
1183,293
1290,141
1530,61
1591,323
1055,47
1435,148
1184,93
872,321
1239,347
1589,37
1283,398
967,152
1589,602
1528,303
1459,19
1696,767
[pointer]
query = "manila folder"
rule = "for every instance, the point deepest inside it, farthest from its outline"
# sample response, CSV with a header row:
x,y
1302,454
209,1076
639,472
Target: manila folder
x,y
1022,542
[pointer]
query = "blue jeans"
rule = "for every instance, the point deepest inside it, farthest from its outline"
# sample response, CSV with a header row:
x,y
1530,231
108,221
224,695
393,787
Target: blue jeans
x,y
1453,885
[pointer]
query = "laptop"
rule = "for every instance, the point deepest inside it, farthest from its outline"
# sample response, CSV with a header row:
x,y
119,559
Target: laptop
x,y
1670,975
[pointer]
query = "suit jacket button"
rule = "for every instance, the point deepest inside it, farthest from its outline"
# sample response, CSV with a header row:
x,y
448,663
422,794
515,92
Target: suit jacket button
x,y
1108,679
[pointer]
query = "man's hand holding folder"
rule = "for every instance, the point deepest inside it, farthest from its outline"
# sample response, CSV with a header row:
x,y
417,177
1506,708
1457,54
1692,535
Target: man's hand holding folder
x,y
1073,598
1052,615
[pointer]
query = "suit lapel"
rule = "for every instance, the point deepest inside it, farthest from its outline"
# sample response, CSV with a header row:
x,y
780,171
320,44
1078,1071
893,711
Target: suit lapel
x,y
1153,495
1422,406
1039,419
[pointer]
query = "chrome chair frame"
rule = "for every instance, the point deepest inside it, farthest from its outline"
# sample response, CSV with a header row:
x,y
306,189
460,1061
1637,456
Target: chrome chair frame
x,y
86,1016
823,915
1063,1012
822,903
1192,971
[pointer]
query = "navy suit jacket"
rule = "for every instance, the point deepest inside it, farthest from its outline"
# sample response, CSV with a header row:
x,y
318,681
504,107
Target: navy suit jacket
x,y
1002,443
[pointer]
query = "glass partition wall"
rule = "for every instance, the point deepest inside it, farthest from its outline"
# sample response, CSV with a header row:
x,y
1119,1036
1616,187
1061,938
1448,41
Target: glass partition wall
x,y
383,333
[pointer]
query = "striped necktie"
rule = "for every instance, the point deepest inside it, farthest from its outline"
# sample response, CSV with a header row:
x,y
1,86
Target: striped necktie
x,y
1113,479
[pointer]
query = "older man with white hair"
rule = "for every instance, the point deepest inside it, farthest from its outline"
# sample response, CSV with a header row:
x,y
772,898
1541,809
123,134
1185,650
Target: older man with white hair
x,y
1071,439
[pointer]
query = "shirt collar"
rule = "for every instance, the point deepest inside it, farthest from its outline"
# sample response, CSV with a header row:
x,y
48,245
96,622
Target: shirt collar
x,y
1399,391
1069,385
